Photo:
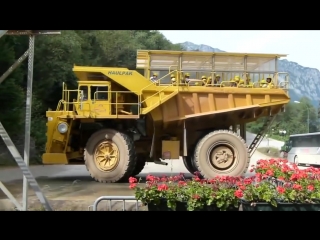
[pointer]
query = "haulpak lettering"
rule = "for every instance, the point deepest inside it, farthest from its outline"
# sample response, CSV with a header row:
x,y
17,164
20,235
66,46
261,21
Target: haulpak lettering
x,y
128,73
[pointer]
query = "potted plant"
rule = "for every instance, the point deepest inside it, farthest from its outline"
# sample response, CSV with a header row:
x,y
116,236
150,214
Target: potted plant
x,y
281,186
257,195
176,193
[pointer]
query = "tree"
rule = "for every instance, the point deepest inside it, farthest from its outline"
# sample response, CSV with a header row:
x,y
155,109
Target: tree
x,y
294,120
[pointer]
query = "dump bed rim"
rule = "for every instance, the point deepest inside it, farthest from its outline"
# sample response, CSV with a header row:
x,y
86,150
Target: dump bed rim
x,y
234,54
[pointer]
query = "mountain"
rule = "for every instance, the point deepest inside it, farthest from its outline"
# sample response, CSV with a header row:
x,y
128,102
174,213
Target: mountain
x,y
189,46
303,80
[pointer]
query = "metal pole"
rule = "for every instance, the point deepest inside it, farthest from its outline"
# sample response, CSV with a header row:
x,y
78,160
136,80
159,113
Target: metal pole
x,y
10,196
14,66
28,120
308,120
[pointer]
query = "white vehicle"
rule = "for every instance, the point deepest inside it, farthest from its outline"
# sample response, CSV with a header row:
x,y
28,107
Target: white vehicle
x,y
304,149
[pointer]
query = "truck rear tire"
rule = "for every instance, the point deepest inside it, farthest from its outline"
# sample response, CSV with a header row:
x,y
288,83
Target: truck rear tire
x,y
141,162
220,153
189,164
110,156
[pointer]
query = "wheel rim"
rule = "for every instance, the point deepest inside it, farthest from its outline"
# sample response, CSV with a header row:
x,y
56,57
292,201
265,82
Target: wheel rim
x,y
222,157
106,156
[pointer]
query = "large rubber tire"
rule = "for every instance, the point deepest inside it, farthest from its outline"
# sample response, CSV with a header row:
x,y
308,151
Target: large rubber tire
x,y
222,138
127,161
141,162
189,164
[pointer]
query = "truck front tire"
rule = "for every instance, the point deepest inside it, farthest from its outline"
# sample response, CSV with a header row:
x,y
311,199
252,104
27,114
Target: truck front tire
x,y
141,162
221,152
110,156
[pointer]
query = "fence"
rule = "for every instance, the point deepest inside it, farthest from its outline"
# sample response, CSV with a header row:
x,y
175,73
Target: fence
x,y
124,199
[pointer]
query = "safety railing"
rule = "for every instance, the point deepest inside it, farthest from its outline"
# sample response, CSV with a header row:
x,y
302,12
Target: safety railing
x,y
283,84
118,104
155,94
131,201
158,82
195,82
64,102
110,104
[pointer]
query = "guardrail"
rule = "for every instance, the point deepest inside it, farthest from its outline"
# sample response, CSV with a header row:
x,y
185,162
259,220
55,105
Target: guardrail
x,y
94,207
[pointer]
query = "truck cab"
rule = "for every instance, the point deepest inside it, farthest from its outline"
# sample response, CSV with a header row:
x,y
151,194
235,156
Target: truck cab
x,y
94,99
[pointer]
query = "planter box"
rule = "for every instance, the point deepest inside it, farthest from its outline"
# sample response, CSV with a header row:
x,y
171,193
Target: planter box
x,y
246,206
183,207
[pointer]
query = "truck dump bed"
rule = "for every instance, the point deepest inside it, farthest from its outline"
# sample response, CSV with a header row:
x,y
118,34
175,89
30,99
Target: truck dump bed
x,y
169,102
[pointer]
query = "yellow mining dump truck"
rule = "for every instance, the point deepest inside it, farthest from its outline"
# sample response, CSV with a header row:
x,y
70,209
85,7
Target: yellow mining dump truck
x,y
176,103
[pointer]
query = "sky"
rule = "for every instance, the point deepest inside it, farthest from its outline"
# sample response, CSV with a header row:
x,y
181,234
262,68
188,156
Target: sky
x,y
302,47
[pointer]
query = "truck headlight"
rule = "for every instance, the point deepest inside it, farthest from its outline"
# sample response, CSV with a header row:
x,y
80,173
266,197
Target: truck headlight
x,y
62,127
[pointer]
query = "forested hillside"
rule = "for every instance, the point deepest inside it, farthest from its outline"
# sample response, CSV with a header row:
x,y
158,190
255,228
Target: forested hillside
x,y
54,59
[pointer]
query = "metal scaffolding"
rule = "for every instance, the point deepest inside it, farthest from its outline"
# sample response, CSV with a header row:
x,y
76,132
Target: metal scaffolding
x,y
28,178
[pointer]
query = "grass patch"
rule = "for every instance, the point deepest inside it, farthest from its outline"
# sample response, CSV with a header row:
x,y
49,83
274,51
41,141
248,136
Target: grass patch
x,y
270,151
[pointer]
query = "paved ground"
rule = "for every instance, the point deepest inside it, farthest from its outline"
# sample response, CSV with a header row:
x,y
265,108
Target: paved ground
x,y
71,187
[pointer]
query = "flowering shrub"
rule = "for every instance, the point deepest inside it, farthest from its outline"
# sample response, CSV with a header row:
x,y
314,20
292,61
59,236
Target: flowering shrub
x,y
279,181
253,190
196,193
275,181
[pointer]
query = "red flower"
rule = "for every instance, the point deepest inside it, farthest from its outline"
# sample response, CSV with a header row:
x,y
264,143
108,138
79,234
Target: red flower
x,y
162,187
182,183
132,180
310,187
212,180
247,181
281,190
258,177
294,177
281,178
270,173
196,196
163,179
132,185
197,179
150,178
297,187
238,193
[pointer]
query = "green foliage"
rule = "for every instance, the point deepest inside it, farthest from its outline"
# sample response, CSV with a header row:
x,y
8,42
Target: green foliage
x,y
261,192
53,62
294,120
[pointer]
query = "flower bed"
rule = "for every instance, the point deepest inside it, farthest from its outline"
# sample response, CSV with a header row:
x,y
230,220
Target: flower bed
x,y
276,186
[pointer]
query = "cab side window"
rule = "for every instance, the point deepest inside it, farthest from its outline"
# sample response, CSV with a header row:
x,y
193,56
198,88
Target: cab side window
x,y
99,93
84,91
